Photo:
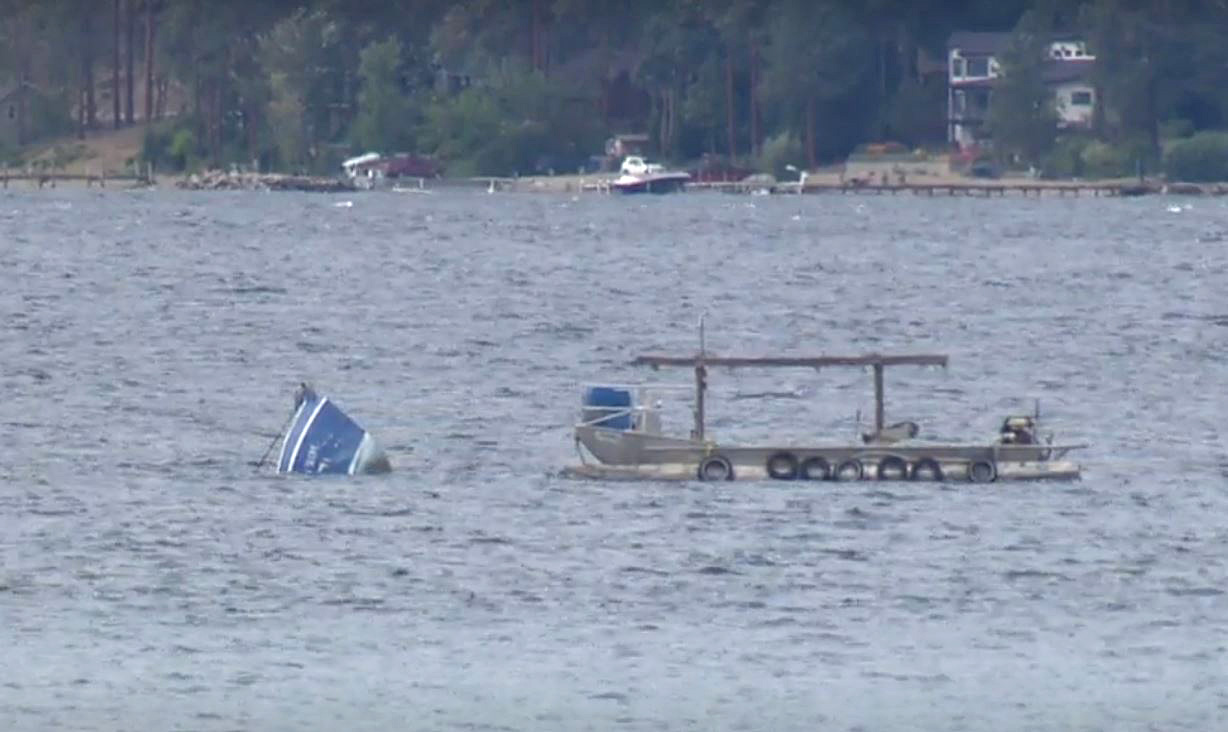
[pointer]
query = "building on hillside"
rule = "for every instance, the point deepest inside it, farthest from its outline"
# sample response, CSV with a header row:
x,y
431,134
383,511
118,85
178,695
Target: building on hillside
x,y
11,133
620,146
973,70
14,130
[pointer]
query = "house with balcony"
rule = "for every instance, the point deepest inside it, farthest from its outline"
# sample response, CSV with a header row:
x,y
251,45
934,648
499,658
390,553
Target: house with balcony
x,y
973,70
12,126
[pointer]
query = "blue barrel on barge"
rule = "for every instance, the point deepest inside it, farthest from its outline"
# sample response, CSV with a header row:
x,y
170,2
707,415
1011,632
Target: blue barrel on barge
x,y
611,407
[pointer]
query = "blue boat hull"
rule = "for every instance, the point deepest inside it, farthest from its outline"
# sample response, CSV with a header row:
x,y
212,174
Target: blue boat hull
x,y
323,440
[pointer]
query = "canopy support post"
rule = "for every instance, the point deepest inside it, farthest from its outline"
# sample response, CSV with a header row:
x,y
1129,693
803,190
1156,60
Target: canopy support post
x,y
700,386
701,382
878,398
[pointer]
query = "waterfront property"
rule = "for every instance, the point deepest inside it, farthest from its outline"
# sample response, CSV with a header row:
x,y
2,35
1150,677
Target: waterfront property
x,y
973,68
15,99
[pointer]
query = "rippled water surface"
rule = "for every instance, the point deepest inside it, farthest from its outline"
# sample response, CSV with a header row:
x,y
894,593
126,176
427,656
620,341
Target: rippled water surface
x,y
152,579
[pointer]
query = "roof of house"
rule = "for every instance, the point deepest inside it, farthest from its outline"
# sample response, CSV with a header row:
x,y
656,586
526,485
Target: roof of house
x,y
1058,71
991,42
1055,72
978,41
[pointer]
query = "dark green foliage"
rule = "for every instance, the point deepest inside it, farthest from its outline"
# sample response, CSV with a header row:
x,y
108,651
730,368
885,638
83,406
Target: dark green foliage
x,y
1201,158
780,152
1083,156
171,147
383,121
520,125
497,87
1065,159
916,114
1106,160
818,69
1176,128
1022,116
50,115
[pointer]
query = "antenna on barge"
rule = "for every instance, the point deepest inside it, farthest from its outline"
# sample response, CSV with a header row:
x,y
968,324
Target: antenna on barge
x,y
701,382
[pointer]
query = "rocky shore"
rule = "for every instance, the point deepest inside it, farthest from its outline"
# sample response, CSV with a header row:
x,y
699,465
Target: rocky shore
x,y
217,180
818,183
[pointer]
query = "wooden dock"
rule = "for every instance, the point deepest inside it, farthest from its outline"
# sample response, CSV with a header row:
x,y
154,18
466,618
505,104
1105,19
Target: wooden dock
x,y
50,179
980,189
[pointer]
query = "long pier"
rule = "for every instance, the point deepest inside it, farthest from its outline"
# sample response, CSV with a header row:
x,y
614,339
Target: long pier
x,y
44,179
987,189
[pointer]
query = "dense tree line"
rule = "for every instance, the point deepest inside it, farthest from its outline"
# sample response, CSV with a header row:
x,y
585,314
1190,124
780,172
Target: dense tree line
x,y
503,86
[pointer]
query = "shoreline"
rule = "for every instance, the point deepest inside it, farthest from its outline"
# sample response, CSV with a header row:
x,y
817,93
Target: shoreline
x,y
820,183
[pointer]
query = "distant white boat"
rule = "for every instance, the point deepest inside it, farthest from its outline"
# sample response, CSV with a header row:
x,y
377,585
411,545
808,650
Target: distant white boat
x,y
667,182
352,166
641,176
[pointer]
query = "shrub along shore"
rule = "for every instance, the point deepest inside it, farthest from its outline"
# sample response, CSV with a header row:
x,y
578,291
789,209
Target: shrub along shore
x,y
815,184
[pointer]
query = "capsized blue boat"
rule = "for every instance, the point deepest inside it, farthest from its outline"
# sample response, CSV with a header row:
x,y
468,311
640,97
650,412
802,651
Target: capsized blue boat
x,y
323,440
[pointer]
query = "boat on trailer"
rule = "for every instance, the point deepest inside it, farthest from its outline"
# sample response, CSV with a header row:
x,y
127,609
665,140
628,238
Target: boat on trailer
x,y
620,429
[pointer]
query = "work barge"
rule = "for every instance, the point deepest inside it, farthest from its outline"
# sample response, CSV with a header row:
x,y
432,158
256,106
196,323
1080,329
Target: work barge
x,y
620,430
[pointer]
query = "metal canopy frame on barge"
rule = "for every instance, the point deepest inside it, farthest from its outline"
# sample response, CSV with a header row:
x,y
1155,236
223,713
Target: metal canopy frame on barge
x,y
701,362
623,435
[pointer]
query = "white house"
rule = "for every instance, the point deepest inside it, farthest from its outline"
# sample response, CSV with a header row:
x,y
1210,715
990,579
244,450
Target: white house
x,y
973,70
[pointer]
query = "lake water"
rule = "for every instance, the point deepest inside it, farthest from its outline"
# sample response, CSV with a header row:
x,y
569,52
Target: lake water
x,y
151,578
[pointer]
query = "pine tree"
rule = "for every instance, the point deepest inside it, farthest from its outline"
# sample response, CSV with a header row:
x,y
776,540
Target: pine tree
x,y
1022,111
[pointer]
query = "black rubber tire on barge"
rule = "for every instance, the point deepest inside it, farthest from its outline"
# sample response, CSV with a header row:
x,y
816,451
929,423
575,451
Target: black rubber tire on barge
x,y
850,469
815,468
892,467
715,467
926,469
782,466
982,471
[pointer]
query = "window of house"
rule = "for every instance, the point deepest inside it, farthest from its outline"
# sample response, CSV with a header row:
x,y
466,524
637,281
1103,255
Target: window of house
x,y
1081,99
957,68
958,101
978,67
978,101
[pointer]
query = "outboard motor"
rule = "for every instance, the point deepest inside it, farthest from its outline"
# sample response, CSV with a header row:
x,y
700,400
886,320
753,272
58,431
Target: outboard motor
x,y
1018,431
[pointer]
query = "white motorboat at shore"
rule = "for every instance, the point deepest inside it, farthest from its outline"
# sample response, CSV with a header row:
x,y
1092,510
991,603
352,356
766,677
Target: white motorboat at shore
x,y
640,176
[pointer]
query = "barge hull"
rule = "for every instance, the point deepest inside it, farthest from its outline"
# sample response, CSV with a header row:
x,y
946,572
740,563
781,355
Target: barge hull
x,y
629,448
1030,471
